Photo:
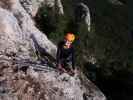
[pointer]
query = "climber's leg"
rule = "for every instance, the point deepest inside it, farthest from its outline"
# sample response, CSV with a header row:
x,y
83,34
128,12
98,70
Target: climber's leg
x,y
68,68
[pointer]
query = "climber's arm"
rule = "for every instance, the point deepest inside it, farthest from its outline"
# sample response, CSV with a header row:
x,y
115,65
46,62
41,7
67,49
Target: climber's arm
x,y
73,59
58,55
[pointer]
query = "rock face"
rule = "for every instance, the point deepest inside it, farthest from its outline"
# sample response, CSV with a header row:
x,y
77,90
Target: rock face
x,y
16,83
118,2
32,6
17,24
82,13
19,40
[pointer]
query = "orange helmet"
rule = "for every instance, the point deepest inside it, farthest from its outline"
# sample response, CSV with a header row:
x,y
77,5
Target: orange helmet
x,y
70,37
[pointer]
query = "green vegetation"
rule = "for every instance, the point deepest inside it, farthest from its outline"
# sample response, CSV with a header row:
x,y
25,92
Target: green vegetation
x,y
108,41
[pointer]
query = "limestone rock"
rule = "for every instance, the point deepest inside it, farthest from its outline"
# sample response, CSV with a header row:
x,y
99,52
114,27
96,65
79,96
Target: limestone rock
x,y
50,85
17,26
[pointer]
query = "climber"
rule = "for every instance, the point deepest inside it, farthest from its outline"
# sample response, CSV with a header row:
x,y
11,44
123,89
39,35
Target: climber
x,y
65,54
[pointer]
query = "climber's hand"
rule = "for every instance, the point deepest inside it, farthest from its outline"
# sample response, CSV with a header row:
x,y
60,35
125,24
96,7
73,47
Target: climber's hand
x,y
59,66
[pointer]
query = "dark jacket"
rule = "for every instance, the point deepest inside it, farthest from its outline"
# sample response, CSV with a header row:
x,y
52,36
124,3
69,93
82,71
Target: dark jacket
x,y
65,55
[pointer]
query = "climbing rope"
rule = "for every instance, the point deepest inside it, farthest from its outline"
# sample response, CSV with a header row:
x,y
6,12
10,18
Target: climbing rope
x,y
35,65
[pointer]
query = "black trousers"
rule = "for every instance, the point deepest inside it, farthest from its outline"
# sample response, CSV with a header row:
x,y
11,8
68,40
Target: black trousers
x,y
67,65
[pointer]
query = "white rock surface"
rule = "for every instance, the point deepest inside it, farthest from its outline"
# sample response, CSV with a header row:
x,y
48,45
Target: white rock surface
x,y
50,85
18,35
16,24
